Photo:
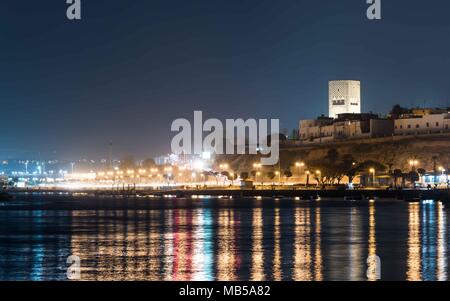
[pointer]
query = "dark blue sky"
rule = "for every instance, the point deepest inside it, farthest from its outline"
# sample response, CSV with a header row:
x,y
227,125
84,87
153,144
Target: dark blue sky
x,y
129,68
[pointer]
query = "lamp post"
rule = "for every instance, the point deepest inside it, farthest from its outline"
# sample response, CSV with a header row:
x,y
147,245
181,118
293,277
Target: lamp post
x,y
307,178
232,178
300,165
318,173
372,171
413,163
193,177
257,166
442,170
223,167
278,174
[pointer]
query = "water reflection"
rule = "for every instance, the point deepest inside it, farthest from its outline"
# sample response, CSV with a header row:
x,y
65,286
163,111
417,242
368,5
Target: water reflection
x,y
277,271
257,268
226,246
372,274
318,252
442,243
203,245
357,259
302,246
269,240
427,242
414,260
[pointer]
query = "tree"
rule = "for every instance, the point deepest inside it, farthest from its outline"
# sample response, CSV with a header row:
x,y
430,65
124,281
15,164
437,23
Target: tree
x,y
413,177
287,173
397,175
421,172
398,111
347,168
369,164
330,168
271,175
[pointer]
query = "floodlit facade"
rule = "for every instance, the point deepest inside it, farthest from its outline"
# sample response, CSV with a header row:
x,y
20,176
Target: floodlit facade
x,y
344,97
422,124
345,127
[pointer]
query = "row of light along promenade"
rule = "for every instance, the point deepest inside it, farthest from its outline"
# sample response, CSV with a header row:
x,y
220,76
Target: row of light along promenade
x,y
130,191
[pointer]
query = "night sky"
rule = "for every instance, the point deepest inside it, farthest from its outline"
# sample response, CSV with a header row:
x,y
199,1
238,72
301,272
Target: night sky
x,y
129,68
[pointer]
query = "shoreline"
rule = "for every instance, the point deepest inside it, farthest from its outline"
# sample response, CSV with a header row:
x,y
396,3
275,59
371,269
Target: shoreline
x,y
407,195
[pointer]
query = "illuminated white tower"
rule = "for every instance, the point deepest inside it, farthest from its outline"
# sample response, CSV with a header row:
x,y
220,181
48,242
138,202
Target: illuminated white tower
x,y
344,97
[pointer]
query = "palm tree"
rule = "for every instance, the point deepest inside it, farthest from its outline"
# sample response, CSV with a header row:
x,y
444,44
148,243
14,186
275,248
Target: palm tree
x,y
271,175
421,172
287,174
397,175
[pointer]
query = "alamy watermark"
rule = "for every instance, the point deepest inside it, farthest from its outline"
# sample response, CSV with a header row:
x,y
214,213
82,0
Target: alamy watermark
x,y
373,268
374,9
237,136
74,270
73,11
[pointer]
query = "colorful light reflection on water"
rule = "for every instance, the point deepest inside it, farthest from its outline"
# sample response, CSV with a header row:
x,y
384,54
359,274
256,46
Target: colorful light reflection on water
x,y
213,239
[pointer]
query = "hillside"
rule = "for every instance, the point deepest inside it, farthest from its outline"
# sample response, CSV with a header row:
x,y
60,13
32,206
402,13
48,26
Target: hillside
x,y
394,152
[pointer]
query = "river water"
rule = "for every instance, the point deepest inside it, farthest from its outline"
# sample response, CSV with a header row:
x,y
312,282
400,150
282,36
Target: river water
x,y
222,239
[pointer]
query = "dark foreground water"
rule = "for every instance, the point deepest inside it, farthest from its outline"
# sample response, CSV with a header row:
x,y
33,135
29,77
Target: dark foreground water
x,y
217,239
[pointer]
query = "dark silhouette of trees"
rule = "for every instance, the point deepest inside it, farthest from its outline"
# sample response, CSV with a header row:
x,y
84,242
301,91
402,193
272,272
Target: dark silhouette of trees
x,y
398,111
398,174
287,173
421,172
413,177
367,165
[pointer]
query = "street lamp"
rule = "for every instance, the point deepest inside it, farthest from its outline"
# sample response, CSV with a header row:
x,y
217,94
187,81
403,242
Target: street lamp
x,y
299,165
413,164
372,171
277,173
307,177
318,173
442,170
257,166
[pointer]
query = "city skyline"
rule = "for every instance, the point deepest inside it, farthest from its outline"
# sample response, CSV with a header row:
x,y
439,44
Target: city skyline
x,y
67,99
